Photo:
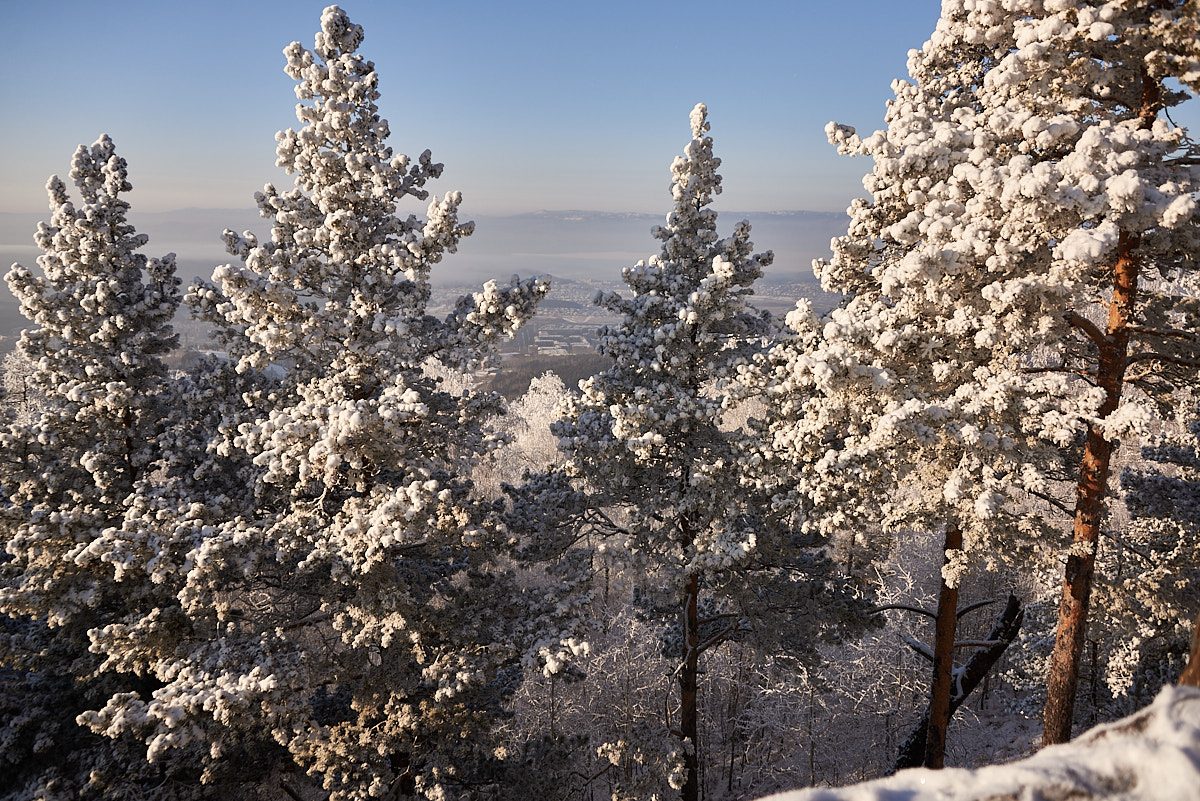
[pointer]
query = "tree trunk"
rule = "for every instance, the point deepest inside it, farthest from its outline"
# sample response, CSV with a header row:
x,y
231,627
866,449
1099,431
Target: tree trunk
x,y
943,661
912,752
1092,488
1113,353
1191,673
689,728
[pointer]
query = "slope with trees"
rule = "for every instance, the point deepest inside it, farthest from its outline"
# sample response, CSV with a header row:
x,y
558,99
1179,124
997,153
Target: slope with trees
x,y
296,568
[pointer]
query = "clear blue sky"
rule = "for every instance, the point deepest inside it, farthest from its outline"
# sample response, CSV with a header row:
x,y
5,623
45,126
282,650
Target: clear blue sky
x,y
564,104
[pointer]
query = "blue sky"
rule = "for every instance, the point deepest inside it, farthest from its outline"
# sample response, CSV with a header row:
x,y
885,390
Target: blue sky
x,y
531,105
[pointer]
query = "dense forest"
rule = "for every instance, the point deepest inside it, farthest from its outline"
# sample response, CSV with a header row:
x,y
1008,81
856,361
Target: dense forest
x,y
947,522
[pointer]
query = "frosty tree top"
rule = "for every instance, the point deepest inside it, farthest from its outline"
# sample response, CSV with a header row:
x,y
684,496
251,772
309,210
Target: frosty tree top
x,y
648,437
101,320
1023,258
361,526
346,271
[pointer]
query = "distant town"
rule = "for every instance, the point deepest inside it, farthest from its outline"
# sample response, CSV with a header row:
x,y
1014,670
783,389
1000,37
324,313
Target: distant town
x,y
568,319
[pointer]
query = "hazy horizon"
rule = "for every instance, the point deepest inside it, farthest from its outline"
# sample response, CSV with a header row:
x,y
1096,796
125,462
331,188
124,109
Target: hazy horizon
x,y
569,244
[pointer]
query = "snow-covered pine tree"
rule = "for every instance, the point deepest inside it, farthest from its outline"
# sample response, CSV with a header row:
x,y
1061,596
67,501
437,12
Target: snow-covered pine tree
x,y
531,447
356,610
168,521
1149,598
100,317
645,440
1133,241
1029,196
16,392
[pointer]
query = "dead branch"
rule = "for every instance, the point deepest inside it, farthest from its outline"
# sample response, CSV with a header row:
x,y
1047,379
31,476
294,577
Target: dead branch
x,y
1088,328
970,675
905,607
918,646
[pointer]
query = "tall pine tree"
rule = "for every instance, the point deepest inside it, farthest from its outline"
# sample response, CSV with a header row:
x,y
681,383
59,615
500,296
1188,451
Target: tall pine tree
x,y
646,442
353,606
100,322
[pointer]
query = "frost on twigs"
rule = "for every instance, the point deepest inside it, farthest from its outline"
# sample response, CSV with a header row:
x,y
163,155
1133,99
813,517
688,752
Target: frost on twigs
x,y
87,442
1151,602
1014,170
17,395
645,443
349,603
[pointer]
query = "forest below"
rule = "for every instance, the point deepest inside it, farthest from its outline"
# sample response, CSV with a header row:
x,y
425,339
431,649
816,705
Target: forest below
x,y
946,523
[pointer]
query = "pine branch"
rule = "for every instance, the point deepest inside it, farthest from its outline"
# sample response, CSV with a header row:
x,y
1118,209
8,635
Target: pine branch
x,y
717,639
1057,504
1089,329
1059,369
1121,541
605,522
715,618
1162,333
904,607
1149,355
301,623
974,606
918,646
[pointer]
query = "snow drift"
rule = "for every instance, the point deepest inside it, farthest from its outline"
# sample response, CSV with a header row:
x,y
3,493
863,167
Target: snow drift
x,y
1152,755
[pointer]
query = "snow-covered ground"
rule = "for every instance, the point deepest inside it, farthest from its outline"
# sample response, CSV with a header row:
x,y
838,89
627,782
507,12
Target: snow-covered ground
x,y
1152,755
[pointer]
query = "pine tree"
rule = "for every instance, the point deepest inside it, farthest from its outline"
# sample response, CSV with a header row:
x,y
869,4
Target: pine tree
x,y
1031,206
646,443
351,604
100,317
1149,596
17,395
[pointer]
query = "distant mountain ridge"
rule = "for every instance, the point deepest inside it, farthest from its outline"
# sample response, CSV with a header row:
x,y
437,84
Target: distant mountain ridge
x,y
585,214
572,244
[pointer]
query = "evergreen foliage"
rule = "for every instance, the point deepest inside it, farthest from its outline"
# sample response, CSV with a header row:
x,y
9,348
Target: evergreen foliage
x,y
343,593
646,439
100,315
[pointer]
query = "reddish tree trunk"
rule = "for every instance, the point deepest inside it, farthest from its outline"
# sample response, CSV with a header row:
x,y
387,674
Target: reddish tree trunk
x,y
1089,503
1191,674
1112,358
943,662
